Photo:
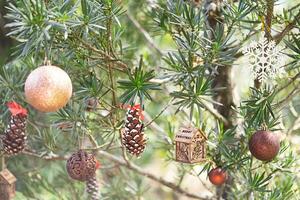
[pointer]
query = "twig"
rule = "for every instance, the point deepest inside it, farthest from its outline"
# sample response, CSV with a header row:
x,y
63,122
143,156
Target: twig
x,y
289,83
153,125
151,176
295,126
111,73
294,92
159,114
102,53
145,33
48,157
95,144
124,155
216,114
287,29
194,173
128,165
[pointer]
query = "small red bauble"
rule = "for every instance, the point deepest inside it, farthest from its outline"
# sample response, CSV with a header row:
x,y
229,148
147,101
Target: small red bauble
x,y
217,176
264,145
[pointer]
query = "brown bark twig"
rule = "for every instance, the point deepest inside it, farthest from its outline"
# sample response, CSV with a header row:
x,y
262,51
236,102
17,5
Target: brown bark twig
x,y
216,114
126,163
295,126
144,33
53,157
153,125
289,83
160,113
287,29
103,54
292,94
151,176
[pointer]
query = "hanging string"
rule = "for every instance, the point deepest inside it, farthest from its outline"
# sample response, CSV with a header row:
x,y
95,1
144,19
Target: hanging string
x,y
46,61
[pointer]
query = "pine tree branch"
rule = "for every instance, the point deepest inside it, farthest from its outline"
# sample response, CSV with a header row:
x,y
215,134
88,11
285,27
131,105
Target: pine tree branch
x,y
160,113
289,83
292,94
52,157
124,155
110,71
154,126
295,126
145,34
216,114
103,54
151,176
128,165
287,29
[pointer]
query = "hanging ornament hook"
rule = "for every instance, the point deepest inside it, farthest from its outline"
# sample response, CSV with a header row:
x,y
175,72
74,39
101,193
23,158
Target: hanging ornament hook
x,y
46,62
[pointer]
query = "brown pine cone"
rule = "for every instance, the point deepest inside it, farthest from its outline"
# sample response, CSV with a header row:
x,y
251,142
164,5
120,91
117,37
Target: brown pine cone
x,y
82,166
92,188
133,133
14,140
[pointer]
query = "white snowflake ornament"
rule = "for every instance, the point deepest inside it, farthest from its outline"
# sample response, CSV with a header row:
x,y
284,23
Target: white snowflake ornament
x,y
265,58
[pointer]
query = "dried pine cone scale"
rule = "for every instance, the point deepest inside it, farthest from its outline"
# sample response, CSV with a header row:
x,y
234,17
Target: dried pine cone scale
x,y
92,188
14,139
133,137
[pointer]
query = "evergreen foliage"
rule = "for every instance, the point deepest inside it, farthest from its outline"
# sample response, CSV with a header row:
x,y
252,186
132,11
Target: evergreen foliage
x,y
181,60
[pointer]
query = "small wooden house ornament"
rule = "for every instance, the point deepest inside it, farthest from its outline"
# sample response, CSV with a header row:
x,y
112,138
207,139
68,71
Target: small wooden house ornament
x,y
190,145
7,185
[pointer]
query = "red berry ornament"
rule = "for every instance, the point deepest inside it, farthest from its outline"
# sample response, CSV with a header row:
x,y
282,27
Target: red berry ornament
x,y
14,139
264,145
217,176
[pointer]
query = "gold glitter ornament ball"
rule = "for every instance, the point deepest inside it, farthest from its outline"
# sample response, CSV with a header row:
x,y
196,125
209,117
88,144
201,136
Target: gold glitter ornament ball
x,y
48,88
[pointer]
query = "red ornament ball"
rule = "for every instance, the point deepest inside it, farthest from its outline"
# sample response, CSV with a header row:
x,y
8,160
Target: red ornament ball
x,y
82,166
264,145
217,176
48,88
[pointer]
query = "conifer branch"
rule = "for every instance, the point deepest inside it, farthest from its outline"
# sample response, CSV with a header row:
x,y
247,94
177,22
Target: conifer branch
x,y
216,114
292,80
126,163
289,97
52,157
294,126
159,114
103,54
151,176
144,33
154,126
287,29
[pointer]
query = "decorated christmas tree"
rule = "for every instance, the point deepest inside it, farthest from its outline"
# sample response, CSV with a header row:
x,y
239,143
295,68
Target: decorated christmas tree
x,y
150,99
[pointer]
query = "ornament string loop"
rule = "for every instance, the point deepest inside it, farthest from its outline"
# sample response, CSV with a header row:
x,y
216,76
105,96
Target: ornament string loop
x,y
46,61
